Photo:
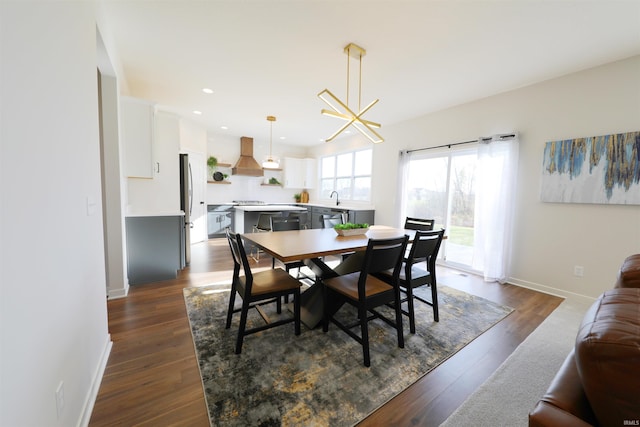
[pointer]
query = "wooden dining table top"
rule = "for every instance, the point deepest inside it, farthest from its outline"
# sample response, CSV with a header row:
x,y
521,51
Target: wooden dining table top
x,y
295,245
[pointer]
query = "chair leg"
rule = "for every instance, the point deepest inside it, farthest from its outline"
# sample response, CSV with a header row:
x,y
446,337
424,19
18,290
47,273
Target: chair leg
x,y
411,308
399,328
243,325
232,301
364,331
434,300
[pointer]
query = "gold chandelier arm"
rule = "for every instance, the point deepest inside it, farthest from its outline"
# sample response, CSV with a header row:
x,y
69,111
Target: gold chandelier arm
x,y
326,101
377,135
343,105
345,117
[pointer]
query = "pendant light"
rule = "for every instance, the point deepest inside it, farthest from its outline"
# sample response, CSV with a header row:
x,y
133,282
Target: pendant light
x,y
271,162
343,111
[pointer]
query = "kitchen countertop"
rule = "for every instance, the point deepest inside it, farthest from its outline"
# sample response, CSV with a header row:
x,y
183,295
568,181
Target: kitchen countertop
x,y
342,206
298,206
267,208
147,214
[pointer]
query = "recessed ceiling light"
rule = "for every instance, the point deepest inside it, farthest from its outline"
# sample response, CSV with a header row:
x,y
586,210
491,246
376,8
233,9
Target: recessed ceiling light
x,y
283,137
197,112
224,127
207,90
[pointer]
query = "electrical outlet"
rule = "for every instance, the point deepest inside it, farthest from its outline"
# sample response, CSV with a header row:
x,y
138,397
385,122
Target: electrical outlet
x,y
60,398
578,271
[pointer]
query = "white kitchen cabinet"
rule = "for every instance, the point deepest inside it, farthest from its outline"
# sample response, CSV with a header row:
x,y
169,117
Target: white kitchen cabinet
x,y
137,135
299,173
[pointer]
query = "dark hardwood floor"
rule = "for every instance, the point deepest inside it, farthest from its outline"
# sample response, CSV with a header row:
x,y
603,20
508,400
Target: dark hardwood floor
x,y
152,377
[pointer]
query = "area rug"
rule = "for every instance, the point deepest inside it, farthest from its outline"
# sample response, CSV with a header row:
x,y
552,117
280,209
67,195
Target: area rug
x,y
316,378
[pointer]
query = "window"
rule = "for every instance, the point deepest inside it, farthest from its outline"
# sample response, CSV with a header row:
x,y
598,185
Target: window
x,y
347,173
442,187
471,193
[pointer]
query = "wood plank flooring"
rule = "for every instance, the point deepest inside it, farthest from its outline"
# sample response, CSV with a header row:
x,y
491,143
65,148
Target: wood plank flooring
x,y
152,377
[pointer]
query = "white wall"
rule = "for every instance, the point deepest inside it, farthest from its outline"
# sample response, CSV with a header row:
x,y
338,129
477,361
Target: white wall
x,y
551,238
227,150
53,315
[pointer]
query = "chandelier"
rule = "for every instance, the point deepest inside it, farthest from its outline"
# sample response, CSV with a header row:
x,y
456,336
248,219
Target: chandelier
x,y
343,111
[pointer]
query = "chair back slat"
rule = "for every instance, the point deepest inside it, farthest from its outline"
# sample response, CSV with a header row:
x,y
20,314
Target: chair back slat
x,y
381,255
419,224
239,255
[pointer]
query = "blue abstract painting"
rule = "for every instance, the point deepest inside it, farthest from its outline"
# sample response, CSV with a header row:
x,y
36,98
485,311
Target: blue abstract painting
x,y
597,169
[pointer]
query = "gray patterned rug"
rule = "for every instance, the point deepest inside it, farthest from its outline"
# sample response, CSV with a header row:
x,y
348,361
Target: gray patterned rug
x,y
318,379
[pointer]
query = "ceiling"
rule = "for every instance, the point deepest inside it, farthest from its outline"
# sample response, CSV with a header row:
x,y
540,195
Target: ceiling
x,y
268,57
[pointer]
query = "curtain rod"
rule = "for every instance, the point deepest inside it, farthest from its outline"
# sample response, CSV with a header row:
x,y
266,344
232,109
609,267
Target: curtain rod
x,y
483,139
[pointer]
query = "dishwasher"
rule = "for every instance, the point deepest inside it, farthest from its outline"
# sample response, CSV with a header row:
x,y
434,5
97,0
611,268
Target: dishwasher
x,y
219,218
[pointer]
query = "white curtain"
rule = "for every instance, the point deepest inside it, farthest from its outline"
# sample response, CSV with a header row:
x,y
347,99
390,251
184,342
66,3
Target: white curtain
x,y
496,176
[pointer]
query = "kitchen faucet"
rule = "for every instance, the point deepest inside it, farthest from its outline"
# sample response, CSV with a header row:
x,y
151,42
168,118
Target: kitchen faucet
x,y
337,199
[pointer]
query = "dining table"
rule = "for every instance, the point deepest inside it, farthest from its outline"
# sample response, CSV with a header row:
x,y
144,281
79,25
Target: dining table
x,y
311,246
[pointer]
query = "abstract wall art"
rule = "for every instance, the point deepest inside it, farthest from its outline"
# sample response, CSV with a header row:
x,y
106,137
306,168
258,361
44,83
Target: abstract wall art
x,y
597,169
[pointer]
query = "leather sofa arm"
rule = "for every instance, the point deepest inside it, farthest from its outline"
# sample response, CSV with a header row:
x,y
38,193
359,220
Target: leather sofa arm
x,y
629,274
547,415
565,402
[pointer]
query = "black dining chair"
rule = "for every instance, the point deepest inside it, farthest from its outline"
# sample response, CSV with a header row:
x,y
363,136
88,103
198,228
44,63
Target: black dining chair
x,y
424,248
419,224
365,292
283,224
264,287
303,217
263,225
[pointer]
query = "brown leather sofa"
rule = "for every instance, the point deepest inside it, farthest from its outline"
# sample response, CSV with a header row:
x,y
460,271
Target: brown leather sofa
x,y
599,382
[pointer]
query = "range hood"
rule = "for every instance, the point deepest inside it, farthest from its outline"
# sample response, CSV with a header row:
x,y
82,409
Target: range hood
x,y
246,164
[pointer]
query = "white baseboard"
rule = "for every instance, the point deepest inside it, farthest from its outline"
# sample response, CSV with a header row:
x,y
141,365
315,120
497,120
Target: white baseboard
x,y
551,291
118,293
95,384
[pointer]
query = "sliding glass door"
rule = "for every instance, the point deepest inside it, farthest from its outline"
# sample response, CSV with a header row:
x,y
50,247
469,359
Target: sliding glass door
x,y
442,187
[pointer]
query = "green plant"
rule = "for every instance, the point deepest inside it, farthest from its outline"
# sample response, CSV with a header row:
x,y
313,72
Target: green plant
x,y
350,226
274,181
297,197
212,162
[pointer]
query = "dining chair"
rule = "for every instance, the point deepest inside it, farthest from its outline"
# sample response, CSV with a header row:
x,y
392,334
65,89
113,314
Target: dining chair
x,y
424,248
365,292
264,287
303,217
419,224
263,225
283,224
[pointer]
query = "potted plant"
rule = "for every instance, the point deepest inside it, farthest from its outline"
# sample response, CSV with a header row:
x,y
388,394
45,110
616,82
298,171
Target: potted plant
x,y
351,229
297,197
